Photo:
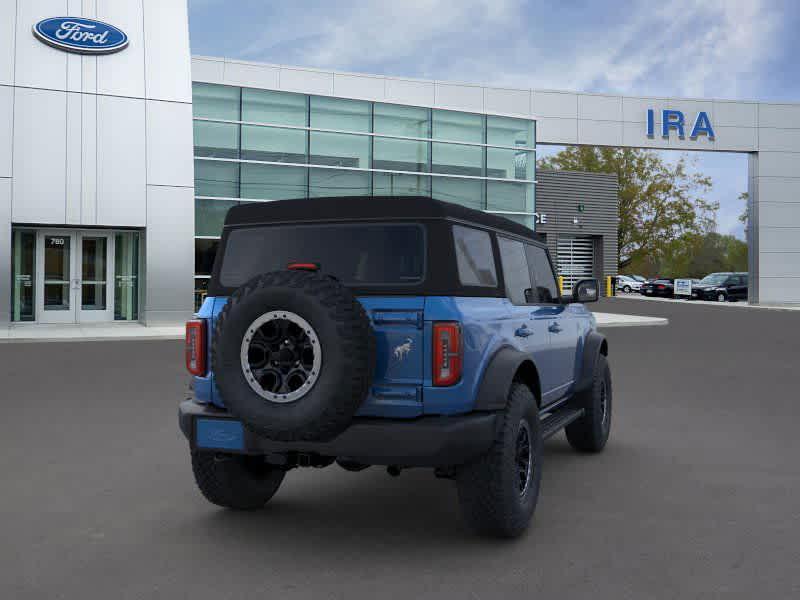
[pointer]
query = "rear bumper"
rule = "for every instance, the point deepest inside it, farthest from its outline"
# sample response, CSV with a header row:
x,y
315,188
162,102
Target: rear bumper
x,y
424,442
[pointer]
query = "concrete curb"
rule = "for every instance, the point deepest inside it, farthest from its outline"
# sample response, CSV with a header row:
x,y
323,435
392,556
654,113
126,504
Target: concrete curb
x,y
605,320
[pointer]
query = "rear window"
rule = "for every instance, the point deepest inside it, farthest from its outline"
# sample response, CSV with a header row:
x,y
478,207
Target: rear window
x,y
357,254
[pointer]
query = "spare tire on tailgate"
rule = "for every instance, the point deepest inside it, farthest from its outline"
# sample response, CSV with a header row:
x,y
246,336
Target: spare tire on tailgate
x,y
293,355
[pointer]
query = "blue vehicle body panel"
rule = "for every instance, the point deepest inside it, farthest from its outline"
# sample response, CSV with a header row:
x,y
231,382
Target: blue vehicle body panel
x,y
552,335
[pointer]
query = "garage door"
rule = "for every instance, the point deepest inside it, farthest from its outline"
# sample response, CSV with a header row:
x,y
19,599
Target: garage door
x,y
575,259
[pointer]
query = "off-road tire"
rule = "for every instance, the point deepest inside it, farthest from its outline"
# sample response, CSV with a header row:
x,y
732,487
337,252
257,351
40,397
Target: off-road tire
x,y
488,489
590,432
348,355
233,481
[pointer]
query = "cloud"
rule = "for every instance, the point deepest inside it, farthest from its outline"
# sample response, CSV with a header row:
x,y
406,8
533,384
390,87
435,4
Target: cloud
x,y
683,48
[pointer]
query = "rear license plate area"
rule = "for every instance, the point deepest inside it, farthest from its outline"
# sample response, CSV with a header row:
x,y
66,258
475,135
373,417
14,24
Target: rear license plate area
x,y
219,434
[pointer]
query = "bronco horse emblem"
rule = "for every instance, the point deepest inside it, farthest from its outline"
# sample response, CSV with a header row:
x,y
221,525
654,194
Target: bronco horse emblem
x,y
401,351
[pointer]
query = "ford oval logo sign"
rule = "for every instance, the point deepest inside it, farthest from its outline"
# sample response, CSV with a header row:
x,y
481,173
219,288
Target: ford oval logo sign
x,y
84,36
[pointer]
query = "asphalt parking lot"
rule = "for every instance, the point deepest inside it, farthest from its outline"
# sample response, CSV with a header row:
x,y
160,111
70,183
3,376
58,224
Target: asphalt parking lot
x,y
696,495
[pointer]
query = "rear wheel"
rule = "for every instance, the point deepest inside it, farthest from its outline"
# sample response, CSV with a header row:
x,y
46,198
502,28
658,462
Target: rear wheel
x,y
234,481
498,492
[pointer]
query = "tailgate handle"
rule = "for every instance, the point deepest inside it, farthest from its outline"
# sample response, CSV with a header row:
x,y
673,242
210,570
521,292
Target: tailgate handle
x,y
397,317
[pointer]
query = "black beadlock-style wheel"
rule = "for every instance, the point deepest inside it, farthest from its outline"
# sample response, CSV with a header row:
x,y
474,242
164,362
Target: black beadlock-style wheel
x,y
498,492
293,355
232,481
590,432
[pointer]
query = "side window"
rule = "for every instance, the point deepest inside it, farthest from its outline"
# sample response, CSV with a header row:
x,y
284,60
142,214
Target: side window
x,y
474,256
546,289
515,271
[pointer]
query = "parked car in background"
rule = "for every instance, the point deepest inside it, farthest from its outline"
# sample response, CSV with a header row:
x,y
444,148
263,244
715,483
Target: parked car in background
x,y
628,284
722,287
663,288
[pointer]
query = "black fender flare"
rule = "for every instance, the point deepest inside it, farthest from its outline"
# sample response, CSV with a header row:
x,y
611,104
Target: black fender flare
x,y
499,374
594,346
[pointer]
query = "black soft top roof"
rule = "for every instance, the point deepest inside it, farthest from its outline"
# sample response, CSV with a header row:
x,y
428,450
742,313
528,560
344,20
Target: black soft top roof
x,y
367,208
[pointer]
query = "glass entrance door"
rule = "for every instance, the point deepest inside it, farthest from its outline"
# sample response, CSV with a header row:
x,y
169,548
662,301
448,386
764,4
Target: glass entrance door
x,y
94,301
73,272
55,303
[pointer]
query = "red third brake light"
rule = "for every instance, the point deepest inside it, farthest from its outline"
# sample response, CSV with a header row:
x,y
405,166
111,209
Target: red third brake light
x,y
196,347
299,266
447,355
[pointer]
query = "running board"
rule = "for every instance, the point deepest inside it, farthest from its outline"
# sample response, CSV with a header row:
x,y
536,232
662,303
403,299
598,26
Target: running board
x,y
557,420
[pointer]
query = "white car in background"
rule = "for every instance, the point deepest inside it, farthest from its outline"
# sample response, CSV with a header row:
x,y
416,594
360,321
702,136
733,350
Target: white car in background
x,y
628,284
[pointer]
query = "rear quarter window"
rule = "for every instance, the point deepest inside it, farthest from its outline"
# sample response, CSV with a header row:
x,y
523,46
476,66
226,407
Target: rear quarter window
x,y
474,257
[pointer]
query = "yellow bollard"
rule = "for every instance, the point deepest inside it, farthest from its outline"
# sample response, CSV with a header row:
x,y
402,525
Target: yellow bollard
x,y
608,286
561,285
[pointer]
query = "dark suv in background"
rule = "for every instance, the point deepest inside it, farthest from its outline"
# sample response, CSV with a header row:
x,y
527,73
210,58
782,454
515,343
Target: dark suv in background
x,y
721,287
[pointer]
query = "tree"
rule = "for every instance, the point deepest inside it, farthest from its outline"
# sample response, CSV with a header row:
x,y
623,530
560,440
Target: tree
x,y
696,255
659,202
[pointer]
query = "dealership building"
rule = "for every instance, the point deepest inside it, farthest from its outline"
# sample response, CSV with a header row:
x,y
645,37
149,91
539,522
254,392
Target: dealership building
x,y
120,154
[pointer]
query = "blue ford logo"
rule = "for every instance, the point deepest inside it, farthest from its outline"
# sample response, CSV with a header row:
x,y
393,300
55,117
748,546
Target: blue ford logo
x,y
76,34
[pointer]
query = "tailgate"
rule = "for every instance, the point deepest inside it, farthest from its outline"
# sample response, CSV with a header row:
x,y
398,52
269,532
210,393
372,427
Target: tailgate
x,y
398,322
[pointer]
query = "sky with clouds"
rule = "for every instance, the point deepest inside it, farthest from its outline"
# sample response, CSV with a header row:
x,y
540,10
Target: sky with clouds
x,y
739,49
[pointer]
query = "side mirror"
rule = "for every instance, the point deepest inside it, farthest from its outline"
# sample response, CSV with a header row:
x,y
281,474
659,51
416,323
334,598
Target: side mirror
x,y
586,290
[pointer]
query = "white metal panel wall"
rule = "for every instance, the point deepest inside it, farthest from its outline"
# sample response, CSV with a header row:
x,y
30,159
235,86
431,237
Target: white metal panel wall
x,y
6,128
8,24
37,65
169,144
121,170
74,159
5,248
121,73
166,36
170,242
39,156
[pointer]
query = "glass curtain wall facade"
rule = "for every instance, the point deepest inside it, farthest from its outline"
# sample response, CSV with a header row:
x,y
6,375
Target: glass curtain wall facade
x,y
255,145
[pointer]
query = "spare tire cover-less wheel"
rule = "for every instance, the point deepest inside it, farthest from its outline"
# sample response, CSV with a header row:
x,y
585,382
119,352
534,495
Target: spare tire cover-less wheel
x,y
293,355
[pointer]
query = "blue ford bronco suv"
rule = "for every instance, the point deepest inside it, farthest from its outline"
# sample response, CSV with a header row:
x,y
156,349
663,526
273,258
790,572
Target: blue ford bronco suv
x,y
403,332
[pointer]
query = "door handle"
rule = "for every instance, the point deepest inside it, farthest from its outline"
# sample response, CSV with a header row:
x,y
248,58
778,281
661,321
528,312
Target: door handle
x,y
523,331
554,328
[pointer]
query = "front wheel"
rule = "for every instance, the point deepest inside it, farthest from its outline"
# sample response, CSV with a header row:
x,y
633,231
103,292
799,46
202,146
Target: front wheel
x,y
234,481
721,297
498,492
627,289
590,432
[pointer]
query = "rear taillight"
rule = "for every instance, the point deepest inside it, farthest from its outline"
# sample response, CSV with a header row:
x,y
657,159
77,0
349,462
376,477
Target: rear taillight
x,y
447,355
196,347
661,287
